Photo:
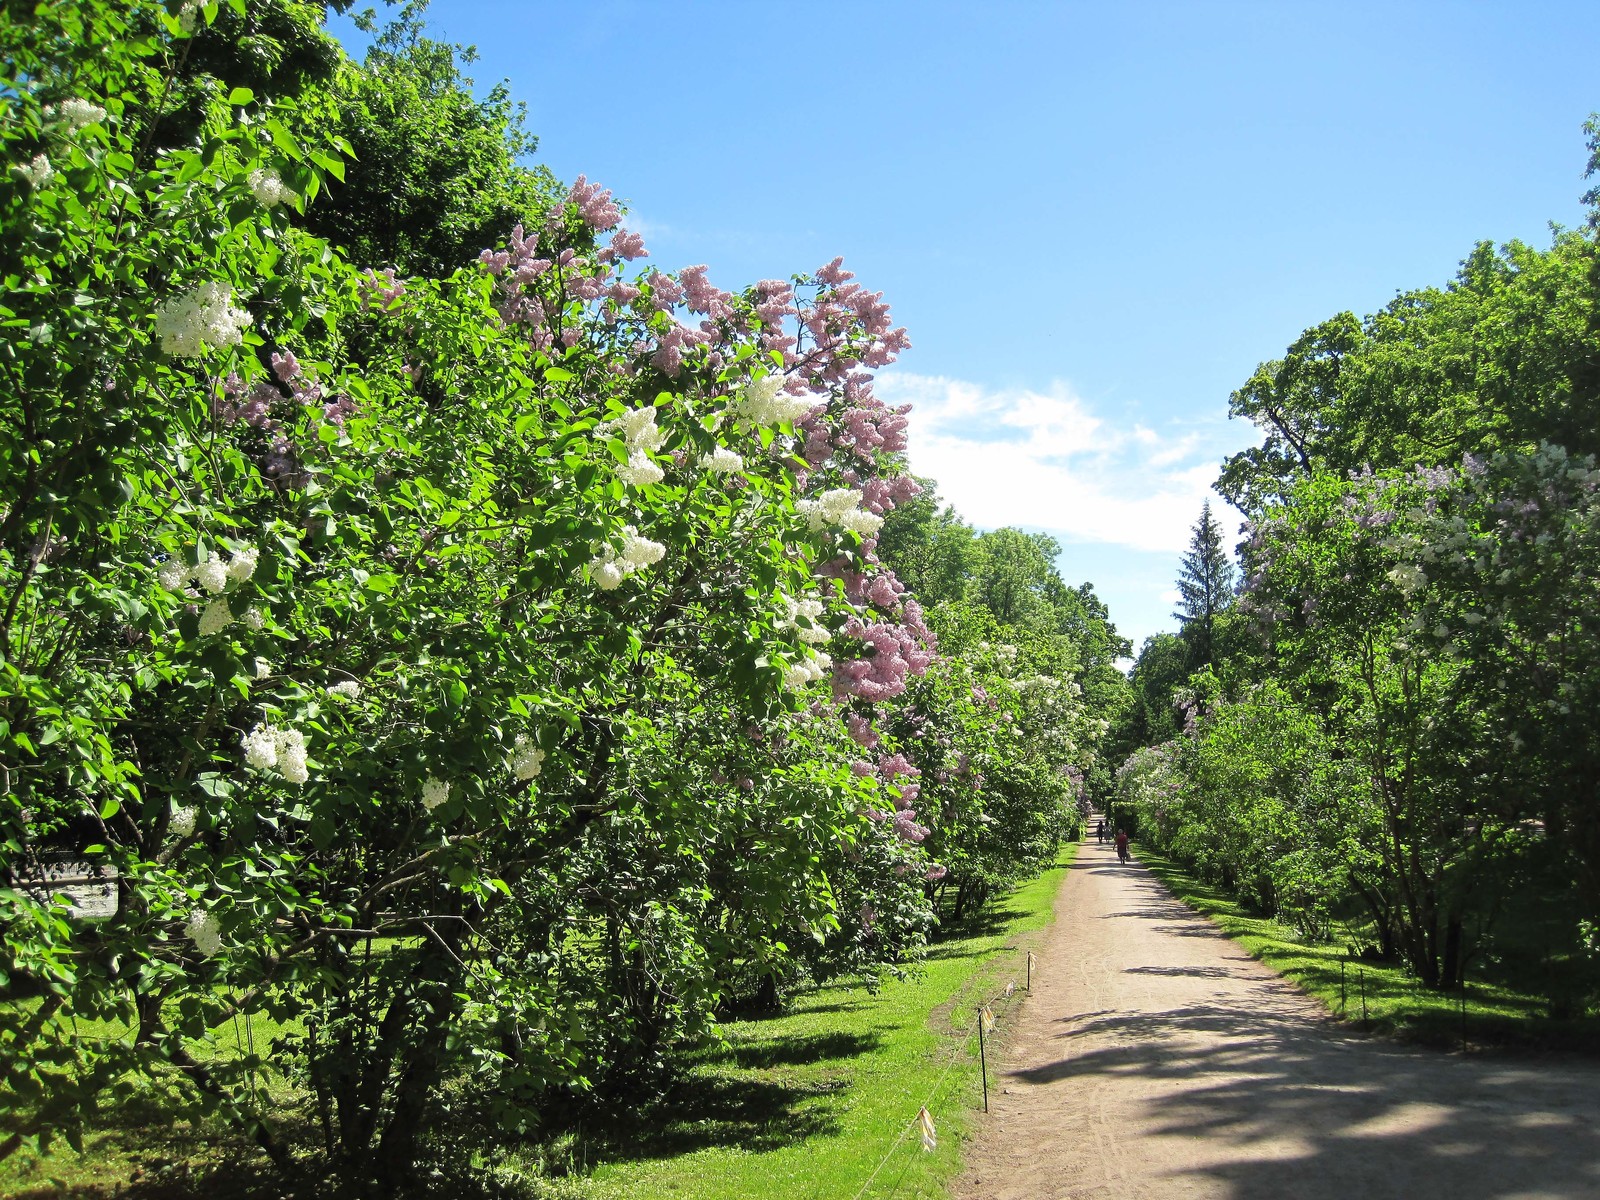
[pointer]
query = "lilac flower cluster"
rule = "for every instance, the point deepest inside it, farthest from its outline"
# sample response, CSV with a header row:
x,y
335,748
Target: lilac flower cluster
x,y
815,414
380,290
896,652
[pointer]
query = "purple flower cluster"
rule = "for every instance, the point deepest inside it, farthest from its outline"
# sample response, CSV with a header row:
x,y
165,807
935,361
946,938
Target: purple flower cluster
x,y
906,827
595,206
380,290
896,652
861,731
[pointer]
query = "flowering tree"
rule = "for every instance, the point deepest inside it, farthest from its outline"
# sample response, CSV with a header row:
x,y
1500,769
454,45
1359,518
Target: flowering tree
x,y
363,625
992,744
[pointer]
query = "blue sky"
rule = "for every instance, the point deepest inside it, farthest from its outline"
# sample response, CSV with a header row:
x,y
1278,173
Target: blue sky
x,y
1094,219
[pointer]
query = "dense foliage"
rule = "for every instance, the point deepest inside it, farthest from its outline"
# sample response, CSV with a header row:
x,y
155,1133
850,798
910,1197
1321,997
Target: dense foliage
x,y
1395,736
488,666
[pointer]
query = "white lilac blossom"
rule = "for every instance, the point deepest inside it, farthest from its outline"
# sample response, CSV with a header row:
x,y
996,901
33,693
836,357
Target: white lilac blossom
x,y
260,747
243,564
434,793
261,669
205,316
841,507
345,690
268,188
205,931
640,470
806,671
526,759
292,763
722,461
606,572
189,16
182,823
764,402
268,746
37,171
639,431
1408,578
173,574
212,575
610,567
814,632
253,619
72,115
216,617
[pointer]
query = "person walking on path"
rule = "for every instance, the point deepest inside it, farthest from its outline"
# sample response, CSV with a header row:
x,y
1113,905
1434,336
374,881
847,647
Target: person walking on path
x,y
1100,832
1122,845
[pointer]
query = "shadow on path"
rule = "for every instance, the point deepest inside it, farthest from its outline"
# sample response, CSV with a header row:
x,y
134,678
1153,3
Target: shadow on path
x,y
1186,1069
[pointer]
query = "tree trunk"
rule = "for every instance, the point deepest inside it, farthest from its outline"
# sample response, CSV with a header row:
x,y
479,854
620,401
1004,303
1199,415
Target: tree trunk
x,y
1453,967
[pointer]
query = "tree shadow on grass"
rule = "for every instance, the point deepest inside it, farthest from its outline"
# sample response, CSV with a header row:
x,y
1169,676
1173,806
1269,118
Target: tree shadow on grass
x,y
795,1051
709,1110
987,921
165,1159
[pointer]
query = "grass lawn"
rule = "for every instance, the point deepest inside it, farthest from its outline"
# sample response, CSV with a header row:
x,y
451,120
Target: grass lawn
x,y
1396,1003
139,1140
809,1104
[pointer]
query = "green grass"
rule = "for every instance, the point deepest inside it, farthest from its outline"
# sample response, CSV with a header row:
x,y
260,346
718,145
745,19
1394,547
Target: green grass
x,y
807,1104
811,1103
140,1140
1396,1002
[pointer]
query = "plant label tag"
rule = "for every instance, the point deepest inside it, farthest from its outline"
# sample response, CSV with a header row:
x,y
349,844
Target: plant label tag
x,y
90,889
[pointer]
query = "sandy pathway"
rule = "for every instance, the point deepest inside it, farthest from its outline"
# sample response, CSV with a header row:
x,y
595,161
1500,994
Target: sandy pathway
x,y
1155,1059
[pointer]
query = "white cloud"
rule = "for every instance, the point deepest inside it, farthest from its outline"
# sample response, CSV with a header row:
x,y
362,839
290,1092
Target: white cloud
x,y
1047,460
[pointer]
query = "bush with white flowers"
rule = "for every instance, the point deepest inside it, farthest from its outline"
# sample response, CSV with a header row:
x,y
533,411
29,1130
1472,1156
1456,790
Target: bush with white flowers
x,y
449,611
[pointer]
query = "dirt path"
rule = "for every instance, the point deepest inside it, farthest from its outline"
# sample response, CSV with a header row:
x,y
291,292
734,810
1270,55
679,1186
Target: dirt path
x,y
1155,1059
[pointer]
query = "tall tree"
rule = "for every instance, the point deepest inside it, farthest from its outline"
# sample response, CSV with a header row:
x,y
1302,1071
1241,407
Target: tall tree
x,y
1205,585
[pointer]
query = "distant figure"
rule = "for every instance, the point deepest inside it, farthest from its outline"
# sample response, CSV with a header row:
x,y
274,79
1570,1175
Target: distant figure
x,y
1100,832
1122,845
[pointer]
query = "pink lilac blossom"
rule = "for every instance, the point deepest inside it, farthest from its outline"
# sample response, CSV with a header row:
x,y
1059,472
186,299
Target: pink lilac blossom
x,y
703,297
666,293
594,204
892,765
285,366
626,244
906,827
380,289
861,731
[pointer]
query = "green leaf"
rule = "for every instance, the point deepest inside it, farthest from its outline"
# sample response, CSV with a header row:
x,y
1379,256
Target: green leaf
x,y
241,95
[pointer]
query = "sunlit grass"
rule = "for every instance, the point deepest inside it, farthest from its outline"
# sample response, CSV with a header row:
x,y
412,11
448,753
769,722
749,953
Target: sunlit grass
x,y
811,1103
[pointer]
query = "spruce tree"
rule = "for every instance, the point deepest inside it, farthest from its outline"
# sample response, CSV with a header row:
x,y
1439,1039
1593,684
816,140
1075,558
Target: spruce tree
x,y
1205,586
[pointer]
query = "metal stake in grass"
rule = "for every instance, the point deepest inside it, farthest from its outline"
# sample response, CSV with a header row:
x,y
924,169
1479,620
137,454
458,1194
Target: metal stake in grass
x,y
985,1018
1342,962
1463,1005
1362,974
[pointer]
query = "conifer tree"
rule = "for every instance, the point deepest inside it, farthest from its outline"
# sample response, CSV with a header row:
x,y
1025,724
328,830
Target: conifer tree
x,y
1205,585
